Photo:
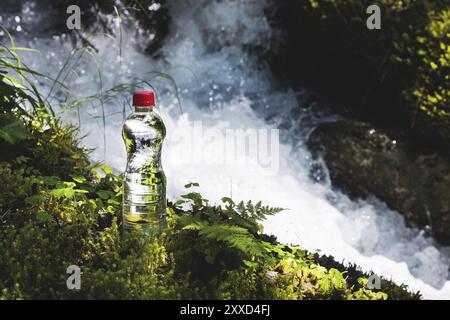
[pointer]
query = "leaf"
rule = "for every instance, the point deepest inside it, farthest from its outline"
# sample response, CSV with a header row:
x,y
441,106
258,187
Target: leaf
x,y
22,159
106,168
113,202
49,180
34,200
228,201
69,185
12,130
381,295
59,193
233,236
79,179
69,193
191,184
250,264
337,279
80,191
195,197
104,194
179,203
193,226
43,216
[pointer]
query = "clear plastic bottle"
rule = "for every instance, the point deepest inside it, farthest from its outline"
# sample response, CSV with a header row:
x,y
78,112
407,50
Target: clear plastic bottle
x,y
144,182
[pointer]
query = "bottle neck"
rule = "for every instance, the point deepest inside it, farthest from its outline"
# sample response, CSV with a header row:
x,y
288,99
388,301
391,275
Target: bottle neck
x,y
143,108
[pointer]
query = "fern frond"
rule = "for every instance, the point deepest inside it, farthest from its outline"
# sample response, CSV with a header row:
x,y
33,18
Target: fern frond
x,y
256,212
234,236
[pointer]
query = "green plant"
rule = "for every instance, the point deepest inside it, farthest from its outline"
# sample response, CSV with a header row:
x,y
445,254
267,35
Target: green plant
x,y
61,223
236,225
395,77
430,92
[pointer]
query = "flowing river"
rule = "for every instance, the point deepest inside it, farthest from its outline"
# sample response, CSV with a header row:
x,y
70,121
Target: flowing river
x,y
226,91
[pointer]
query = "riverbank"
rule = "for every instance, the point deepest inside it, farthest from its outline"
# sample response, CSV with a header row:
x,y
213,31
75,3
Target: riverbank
x,y
59,210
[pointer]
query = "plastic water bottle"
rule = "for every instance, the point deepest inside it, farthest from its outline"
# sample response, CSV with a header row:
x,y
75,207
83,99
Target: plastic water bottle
x,y
144,182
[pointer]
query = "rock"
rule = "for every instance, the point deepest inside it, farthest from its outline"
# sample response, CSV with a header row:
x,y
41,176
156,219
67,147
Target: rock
x,y
363,160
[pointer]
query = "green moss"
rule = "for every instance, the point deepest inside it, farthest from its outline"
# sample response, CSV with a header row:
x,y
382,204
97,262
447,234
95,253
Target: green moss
x,y
15,187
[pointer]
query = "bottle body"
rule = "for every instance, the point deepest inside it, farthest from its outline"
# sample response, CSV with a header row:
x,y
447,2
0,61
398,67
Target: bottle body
x,y
144,182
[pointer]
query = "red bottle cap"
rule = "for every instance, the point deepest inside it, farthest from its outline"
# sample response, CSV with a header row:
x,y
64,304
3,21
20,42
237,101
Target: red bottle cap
x,y
143,98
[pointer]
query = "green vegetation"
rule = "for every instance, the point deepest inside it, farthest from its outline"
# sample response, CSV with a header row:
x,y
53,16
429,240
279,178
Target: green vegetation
x,y
57,209
206,252
397,76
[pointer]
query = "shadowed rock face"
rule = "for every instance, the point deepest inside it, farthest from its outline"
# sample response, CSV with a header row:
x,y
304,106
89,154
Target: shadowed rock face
x,y
362,160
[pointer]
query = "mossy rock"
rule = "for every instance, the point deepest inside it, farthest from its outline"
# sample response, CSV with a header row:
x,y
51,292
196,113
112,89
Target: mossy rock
x,y
363,160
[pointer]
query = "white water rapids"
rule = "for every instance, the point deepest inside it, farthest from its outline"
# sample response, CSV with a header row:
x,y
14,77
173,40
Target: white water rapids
x,y
229,89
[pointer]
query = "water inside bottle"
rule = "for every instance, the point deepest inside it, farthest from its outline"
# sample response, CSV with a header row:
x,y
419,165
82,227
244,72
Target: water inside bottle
x,y
144,182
